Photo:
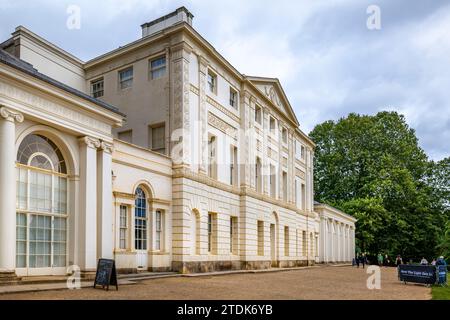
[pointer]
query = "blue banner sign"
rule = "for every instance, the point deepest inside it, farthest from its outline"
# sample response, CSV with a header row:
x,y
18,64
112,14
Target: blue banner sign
x,y
417,273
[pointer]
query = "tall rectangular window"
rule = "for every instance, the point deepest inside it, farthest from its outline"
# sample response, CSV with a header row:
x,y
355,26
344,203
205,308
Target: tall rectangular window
x,y
258,175
158,138
233,235
212,157
284,135
272,125
212,82
233,98
258,114
158,68
97,88
233,166
272,181
126,78
286,241
126,136
304,244
302,153
260,230
212,233
123,227
285,185
158,229
303,197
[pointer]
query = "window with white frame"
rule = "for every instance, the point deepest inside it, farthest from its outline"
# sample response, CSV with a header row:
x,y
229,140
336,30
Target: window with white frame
x,y
284,135
41,204
258,175
140,220
158,68
286,241
260,230
284,185
272,181
233,166
123,233
212,82
212,157
233,235
258,114
304,244
212,233
158,229
233,98
97,90
272,125
126,78
303,197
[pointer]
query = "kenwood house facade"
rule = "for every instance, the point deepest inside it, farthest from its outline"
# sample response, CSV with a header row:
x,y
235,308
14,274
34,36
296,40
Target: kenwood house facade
x,y
160,155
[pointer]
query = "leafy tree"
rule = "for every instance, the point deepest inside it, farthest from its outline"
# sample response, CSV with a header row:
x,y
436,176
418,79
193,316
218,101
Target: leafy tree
x,y
372,167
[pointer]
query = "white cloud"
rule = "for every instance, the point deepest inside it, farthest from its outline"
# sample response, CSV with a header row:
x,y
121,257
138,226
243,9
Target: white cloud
x,y
326,59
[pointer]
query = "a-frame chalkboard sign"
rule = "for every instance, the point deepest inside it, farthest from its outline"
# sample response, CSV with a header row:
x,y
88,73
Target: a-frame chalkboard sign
x,y
106,274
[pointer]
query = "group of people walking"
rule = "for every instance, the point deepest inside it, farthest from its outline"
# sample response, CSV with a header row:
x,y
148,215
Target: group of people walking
x,y
436,262
384,260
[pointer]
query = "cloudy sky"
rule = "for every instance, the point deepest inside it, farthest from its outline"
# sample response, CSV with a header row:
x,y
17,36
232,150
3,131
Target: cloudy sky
x,y
327,59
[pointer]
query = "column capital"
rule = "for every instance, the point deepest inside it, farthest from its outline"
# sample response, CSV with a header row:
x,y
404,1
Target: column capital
x,y
107,147
90,142
10,115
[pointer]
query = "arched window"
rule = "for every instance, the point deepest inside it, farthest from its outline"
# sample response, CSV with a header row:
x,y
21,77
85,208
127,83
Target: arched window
x,y
140,220
41,204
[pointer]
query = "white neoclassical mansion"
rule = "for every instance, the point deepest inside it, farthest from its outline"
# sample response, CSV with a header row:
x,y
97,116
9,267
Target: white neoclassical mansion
x,y
160,155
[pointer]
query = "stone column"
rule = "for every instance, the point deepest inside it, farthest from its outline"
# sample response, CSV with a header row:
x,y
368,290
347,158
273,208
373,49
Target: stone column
x,y
8,118
104,201
180,120
87,219
203,136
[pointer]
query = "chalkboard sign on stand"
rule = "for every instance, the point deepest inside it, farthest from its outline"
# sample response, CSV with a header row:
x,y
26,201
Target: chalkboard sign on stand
x,y
106,274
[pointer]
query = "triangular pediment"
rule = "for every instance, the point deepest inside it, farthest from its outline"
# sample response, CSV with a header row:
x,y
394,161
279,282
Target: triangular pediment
x,y
272,89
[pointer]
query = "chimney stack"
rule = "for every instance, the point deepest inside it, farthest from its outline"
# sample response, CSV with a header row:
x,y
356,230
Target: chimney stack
x,y
179,15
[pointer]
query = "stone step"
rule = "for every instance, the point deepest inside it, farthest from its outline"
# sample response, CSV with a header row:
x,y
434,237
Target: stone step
x,y
145,275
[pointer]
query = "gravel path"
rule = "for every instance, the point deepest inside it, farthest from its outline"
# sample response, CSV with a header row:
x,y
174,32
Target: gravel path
x,y
340,283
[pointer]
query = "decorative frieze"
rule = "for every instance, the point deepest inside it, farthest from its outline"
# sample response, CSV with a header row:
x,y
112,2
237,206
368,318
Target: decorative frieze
x,y
37,103
221,108
194,89
221,125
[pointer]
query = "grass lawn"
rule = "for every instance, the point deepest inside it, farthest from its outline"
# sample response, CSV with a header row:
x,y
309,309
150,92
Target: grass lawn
x,y
440,293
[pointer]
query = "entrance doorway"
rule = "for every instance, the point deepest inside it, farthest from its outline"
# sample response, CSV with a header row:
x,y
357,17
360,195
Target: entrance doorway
x,y
140,229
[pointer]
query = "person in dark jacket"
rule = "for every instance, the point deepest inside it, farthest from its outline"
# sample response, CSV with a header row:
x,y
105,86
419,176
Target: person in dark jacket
x,y
441,261
398,260
363,260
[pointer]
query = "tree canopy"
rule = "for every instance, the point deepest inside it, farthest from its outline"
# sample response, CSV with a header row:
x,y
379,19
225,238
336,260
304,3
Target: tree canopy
x,y
373,168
